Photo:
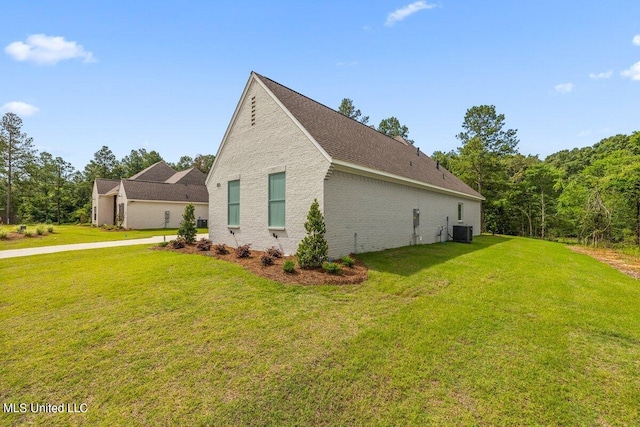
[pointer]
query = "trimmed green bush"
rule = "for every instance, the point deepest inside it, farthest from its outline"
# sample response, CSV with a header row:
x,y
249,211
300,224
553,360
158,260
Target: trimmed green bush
x,y
288,266
163,244
332,267
40,230
3,234
28,233
348,261
50,229
313,249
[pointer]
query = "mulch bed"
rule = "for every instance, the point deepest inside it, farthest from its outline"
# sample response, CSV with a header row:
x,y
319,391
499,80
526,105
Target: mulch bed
x,y
349,276
626,264
18,236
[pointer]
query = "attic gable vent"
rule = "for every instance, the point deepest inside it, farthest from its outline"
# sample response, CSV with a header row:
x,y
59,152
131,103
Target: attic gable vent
x,y
253,110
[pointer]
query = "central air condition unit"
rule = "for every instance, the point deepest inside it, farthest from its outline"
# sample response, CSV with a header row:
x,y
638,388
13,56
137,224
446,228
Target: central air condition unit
x,y
462,233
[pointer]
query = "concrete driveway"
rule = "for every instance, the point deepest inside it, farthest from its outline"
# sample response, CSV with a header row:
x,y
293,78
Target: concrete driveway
x,y
13,253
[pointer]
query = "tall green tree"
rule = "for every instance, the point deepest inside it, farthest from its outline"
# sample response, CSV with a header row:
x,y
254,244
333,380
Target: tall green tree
x,y
348,109
392,127
188,228
16,152
184,163
138,160
103,165
204,162
63,191
485,145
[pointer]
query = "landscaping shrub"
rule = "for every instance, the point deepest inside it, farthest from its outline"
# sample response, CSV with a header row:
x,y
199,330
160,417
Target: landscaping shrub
x,y
313,249
50,229
163,244
274,252
188,228
40,230
266,260
28,233
221,249
178,243
332,267
204,244
288,266
243,251
348,261
3,234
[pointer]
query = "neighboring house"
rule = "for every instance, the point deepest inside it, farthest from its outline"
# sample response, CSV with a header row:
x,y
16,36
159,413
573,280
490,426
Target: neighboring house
x,y
152,198
282,150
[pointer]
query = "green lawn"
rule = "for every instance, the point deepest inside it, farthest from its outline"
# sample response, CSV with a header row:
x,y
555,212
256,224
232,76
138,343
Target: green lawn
x,y
505,331
69,234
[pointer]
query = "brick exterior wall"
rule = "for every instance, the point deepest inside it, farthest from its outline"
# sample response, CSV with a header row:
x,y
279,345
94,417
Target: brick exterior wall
x,y
365,214
250,152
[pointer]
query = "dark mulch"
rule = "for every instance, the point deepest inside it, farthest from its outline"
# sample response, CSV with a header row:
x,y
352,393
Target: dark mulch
x,y
350,275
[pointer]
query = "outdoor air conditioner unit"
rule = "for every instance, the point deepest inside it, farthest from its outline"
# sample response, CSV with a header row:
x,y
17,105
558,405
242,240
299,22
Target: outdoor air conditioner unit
x,y
462,233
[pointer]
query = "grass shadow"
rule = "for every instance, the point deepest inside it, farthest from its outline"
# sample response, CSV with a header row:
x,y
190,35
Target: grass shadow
x,y
408,260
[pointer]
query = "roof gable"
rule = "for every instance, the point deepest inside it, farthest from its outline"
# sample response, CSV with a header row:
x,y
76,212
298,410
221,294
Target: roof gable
x,y
158,172
105,186
349,141
189,176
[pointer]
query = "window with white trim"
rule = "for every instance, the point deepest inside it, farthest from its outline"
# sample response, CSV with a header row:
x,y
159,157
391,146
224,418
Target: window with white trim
x,y
460,211
233,203
277,200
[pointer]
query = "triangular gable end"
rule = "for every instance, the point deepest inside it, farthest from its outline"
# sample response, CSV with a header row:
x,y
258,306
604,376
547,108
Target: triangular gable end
x,y
254,77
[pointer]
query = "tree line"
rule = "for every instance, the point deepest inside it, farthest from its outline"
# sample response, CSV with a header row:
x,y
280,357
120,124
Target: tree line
x,y
40,188
591,194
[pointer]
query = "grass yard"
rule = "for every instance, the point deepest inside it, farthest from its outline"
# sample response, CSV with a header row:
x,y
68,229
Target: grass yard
x,y
70,234
505,331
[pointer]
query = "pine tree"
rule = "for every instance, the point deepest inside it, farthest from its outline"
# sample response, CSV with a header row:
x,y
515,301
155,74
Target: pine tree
x,y
187,228
313,249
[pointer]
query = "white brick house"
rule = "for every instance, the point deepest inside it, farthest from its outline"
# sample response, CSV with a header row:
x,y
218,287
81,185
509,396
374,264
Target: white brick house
x,y
153,198
282,150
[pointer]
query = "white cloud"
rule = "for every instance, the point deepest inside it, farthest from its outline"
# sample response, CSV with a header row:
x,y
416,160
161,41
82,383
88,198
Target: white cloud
x,y
636,40
600,76
400,14
633,73
564,87
20,108
43,49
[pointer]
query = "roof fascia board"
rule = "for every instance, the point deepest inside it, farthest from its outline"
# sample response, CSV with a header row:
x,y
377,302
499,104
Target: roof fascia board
x,y
385,176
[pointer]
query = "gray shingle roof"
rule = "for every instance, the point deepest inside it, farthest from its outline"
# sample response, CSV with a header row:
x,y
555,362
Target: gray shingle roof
x,y
106,185
189,176
148,190
350,141
159,172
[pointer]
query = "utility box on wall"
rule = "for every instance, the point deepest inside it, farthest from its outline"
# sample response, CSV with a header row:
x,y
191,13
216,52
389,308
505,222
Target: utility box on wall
x,y
416,217
463,233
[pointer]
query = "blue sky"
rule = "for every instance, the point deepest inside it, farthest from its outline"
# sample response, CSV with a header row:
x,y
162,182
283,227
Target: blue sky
x,y
167,76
